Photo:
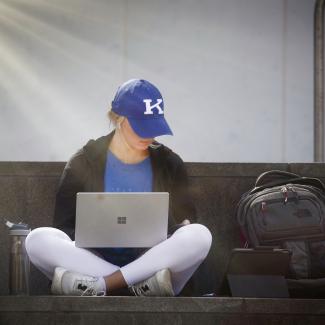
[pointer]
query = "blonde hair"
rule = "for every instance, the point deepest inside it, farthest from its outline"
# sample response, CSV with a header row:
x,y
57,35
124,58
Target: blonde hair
x,y
113,117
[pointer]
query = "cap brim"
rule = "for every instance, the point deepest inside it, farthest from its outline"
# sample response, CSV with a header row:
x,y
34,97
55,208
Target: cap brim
x,y
150,128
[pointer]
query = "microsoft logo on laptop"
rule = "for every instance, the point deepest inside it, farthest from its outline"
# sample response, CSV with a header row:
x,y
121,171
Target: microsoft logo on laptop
x,y
121,220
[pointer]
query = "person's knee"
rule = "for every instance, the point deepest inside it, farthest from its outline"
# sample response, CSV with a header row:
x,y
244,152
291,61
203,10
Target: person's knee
x,y
35,239
203,238
198,238
39,238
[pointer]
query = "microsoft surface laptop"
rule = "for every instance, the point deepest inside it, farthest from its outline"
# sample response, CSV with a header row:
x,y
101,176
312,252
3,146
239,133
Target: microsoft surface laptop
x,y
121,219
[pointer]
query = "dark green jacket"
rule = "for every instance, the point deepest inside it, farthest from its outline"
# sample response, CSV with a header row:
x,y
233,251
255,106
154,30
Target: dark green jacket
x,y
85,173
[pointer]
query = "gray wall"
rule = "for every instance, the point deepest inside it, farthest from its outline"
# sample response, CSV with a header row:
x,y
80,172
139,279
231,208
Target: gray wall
x,y
236,75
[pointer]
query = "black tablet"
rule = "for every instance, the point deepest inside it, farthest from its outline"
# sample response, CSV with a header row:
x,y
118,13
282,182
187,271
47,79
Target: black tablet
x,y
258,273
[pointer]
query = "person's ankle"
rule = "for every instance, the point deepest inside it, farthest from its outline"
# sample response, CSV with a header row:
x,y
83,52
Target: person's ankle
x,y
115,281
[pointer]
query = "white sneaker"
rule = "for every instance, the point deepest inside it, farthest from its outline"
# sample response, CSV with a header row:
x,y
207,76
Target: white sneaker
x,y
75,284
159,285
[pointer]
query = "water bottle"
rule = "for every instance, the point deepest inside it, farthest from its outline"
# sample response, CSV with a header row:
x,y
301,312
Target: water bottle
x,y
19,265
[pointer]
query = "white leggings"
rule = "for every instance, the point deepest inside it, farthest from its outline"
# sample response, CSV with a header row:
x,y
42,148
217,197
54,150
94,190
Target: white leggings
x,y
182,253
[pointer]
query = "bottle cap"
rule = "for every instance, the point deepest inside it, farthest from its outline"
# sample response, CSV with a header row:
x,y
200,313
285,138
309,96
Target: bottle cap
x,y
18,229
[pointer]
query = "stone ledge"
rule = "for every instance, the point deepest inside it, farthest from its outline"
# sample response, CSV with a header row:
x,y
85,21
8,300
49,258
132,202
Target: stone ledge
x,y
54,169
222,305
195,169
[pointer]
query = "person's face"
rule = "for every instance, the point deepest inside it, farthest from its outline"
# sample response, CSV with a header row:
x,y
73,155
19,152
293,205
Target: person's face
x,y
133,140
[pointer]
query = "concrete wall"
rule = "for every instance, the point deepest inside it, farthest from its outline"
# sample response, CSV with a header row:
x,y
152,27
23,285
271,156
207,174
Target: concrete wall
x,y
236,75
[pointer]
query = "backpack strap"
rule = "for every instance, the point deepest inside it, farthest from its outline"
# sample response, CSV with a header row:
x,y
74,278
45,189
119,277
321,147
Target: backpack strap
x,y
278,177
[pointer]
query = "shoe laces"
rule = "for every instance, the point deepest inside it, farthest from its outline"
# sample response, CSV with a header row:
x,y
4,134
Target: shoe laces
x,y
140,290
91,291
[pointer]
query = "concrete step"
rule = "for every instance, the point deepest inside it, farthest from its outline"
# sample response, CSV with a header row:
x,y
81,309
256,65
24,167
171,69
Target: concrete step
x,y
65,310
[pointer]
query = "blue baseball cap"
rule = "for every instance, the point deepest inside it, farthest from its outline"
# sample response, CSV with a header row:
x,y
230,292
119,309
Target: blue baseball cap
x,y
142,104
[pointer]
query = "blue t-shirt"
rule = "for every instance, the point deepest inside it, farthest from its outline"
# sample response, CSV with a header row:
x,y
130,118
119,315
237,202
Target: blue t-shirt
x,y
122,177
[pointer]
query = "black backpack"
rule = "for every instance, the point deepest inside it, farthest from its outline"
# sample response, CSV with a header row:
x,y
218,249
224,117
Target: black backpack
x,y
285,210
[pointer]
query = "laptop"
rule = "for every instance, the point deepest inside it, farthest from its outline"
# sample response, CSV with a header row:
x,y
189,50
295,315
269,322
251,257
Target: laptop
x,y
258,273
121,219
